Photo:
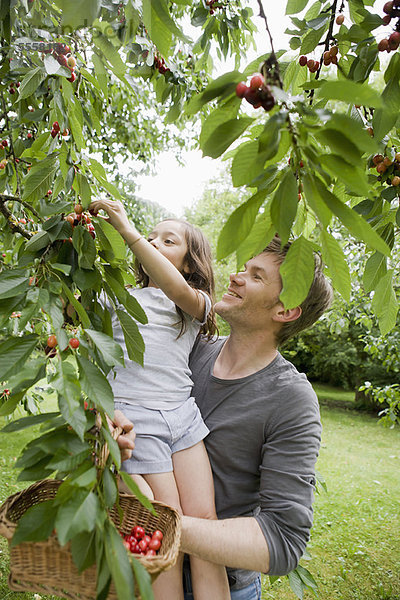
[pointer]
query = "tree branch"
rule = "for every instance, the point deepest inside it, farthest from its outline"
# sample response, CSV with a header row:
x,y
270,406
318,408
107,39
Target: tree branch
x,y
11,220
272,58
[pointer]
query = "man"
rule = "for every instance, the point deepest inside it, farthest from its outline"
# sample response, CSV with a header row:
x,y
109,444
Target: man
x,y
264,426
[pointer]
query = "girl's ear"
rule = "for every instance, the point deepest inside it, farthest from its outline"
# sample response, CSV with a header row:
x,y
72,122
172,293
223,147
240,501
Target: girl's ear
x,y
186,269
285,316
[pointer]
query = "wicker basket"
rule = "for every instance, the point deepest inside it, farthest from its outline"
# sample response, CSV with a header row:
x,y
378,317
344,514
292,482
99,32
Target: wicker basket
x,y
48,568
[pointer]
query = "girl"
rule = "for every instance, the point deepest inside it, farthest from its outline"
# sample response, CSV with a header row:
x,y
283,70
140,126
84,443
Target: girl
x,y
170,457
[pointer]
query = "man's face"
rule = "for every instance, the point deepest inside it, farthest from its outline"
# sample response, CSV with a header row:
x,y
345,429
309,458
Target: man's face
x,y
252,297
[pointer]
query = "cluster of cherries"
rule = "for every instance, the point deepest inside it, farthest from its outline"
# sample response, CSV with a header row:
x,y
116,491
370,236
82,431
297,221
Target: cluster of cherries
x,y
392,11
257,93
62,54
139,542
55,130
213,4
159,63
78,217
330,57
388,169
52,342
11,89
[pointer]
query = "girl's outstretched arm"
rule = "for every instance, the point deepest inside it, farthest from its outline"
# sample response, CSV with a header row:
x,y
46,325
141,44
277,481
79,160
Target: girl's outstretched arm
x,y
159,269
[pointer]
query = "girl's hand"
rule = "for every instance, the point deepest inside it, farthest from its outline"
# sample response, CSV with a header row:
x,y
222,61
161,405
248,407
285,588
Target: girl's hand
x,y
116,214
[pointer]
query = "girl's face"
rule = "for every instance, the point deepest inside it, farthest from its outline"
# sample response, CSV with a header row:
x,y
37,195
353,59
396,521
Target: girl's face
x,y
169,239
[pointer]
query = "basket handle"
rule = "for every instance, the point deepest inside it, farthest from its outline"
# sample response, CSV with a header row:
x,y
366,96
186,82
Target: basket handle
x,y
105,451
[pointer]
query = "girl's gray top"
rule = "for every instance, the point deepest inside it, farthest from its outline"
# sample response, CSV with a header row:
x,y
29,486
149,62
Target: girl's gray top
x,y
264,439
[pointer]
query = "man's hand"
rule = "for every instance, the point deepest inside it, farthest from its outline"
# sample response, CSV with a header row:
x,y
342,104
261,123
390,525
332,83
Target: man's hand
x,y
126,440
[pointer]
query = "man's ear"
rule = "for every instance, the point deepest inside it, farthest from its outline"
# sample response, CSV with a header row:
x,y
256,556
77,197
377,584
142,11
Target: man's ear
x,y
285,316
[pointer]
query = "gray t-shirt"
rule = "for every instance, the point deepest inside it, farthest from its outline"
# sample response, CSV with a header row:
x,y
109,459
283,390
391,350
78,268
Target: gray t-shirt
x,y
164,381
264,439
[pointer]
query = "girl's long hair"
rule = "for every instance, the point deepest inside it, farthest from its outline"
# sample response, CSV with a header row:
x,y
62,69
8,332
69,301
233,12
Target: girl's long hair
x,y
200,277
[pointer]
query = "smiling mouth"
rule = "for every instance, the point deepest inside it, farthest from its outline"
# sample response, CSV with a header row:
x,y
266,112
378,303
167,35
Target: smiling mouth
x,y
232,293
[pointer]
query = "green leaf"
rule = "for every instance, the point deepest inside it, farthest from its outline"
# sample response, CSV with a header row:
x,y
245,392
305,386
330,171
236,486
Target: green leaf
x,y
31,82
118,563
109,349
383,121
311,39
143,579
359,135
83,550
384,303
297,272
76,515
296,584
259,237
132,485
69,394
332,255
37,242
39,179
108,234
133,339
85,247
77,305
351,92
26,422
354,222
246,164
284,205
14,352
224,135
225,84
110,489
314,199
95,385
36,523
375,269
27,376
340,144
77,14
111,53
239,224
353,177
295,6
13,283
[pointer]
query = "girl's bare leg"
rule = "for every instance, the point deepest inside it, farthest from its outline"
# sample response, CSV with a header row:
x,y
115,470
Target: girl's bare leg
x,y
168,585
196,493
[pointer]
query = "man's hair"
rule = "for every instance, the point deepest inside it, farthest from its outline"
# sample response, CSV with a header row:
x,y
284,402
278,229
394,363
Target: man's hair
x,y
318,300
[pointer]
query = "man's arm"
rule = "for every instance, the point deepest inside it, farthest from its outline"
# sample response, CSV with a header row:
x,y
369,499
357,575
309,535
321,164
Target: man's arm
x,y
238,543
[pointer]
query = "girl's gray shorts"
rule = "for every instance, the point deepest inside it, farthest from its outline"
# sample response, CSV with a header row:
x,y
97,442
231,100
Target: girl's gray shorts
x,y
160,433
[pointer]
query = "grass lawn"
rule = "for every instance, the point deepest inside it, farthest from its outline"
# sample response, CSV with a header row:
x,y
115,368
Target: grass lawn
x,y
355,543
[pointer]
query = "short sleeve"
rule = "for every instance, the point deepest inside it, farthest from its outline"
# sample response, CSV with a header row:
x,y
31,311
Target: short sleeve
x,y
207,308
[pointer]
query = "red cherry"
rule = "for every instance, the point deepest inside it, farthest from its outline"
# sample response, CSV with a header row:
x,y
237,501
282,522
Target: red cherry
x,y
56,126
78,208
151,551
154,544
53,133
157,535
339,19
74,343
303,61
4,143
143,544
241,89
388,7
394,40
386,19
383,45
256,81
138,532
29,136
52,341
72,78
